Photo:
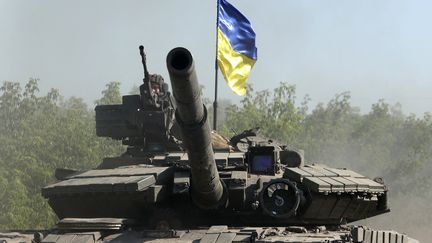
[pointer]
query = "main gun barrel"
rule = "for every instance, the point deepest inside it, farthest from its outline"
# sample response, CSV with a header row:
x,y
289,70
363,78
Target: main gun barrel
x,y
207,190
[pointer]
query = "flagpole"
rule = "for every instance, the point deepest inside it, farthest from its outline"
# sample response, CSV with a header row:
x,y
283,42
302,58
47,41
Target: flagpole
x,y
215,105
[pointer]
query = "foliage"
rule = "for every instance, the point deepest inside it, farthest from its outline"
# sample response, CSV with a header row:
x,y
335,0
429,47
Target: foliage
x,y
275,113
111,95
39,134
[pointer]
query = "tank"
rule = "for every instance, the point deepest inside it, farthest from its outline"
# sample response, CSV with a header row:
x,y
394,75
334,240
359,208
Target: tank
x,y
179,181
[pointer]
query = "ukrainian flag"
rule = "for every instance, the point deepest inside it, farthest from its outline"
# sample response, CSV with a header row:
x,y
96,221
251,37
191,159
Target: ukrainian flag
x,y
236,47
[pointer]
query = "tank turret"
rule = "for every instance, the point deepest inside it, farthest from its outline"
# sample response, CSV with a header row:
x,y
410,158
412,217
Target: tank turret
x,y
191,116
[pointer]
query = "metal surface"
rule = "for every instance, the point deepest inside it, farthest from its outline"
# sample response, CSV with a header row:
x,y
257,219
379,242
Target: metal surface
x,y
191,115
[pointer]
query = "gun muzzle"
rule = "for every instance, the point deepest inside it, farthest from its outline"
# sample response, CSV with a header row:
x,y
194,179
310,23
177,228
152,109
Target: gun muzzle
x,y
207,190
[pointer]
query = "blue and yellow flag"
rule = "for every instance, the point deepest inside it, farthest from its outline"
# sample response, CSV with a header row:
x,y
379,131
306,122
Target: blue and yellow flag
x,y
236,47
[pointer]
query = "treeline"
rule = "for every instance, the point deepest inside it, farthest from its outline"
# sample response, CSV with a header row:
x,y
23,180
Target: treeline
x,y
39,133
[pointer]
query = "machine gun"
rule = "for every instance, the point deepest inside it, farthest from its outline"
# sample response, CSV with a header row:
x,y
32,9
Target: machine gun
x,y
143,122
154,91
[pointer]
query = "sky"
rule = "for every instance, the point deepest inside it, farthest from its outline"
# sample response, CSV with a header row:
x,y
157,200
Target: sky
x,y
376,49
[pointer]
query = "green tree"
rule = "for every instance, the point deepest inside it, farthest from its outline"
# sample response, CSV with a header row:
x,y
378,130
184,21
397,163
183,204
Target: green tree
x,y
276,113
111,95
